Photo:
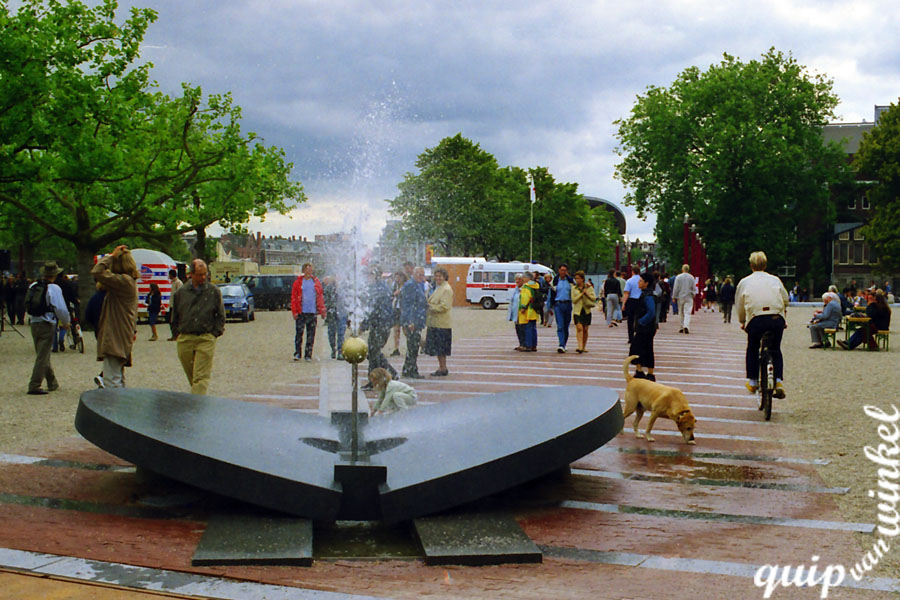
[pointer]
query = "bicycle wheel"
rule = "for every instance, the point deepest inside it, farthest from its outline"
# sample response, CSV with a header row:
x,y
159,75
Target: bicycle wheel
x,y
80,341
766,385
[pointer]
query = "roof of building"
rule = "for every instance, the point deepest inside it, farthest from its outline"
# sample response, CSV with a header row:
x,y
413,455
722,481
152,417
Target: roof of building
x,y
850,135
840,228
618,215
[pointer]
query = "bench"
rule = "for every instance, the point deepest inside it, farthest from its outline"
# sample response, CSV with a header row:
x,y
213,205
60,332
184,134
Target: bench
x,y
829,338
883,339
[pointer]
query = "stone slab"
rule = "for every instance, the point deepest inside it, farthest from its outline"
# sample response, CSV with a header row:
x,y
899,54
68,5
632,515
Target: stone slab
x,y
255,539
475,539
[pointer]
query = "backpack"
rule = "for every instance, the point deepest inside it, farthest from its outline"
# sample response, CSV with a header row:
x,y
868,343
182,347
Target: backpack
x,y
36,303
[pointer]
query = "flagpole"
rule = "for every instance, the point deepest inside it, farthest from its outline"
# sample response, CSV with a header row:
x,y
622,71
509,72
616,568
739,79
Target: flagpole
x,y
531,221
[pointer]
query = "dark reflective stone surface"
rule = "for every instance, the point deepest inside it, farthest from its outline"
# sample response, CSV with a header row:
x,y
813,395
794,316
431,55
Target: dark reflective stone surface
x,y
411,463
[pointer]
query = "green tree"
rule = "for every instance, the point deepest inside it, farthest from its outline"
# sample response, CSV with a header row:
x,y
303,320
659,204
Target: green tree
x,y
450,200
92,154
878,160
738,148
463,201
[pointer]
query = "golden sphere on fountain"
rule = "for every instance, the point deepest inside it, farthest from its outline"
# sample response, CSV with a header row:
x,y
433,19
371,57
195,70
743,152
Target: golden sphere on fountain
x,y
354,350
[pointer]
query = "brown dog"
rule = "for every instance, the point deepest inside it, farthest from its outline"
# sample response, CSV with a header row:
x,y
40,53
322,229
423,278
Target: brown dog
x,y
660,400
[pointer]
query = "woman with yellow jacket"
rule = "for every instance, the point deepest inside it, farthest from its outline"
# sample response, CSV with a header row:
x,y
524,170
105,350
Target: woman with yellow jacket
x,y
438,339
528,312
583,300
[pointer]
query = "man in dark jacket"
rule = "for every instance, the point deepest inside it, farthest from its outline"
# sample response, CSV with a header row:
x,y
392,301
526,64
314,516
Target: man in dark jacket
x,y
198,319
413,309
379,321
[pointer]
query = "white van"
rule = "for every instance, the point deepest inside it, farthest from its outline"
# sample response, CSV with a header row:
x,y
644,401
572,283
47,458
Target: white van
x,y
493,283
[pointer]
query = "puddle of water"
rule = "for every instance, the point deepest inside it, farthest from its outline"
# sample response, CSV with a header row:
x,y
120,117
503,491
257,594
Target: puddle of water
x,y
364,540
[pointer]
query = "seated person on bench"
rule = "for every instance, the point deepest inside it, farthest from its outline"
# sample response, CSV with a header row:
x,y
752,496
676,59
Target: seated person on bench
x,y
829,318
880,314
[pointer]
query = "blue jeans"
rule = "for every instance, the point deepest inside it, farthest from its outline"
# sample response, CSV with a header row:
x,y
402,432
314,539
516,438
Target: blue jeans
x,y
563,312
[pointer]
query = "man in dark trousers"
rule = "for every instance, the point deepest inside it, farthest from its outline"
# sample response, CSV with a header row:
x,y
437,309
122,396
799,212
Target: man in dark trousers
x,y
413,309
307,301
630,299
47,310
379,321
561,303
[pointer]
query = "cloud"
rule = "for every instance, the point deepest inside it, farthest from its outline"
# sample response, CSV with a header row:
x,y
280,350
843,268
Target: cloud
x,y
354,91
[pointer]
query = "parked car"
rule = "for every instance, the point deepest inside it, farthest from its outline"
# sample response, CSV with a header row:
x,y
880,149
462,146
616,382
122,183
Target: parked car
x,y
272,292
238,301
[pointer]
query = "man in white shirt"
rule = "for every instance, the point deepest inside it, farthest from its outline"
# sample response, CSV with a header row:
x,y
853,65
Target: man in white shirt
x,y
683,293
761,302
630,297
43,327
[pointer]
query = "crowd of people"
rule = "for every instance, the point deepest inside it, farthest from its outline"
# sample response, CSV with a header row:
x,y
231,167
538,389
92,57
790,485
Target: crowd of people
x,y
421,310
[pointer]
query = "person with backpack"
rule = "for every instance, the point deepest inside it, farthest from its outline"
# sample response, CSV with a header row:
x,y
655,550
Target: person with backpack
x,y
46,306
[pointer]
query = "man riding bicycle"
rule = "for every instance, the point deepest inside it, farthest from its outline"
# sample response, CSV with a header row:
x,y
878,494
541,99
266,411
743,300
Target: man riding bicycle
x,y
761,302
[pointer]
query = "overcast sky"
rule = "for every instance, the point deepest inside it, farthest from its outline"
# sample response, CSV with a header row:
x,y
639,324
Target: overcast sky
x,y
354,91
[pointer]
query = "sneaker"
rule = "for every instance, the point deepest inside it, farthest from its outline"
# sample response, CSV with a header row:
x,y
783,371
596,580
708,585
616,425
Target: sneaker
x,y
307,358
561,350
844,345
296,357
779,390
751,386
815,346
98,381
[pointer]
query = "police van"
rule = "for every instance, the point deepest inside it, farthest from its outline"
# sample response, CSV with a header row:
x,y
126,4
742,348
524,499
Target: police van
x,y
493,283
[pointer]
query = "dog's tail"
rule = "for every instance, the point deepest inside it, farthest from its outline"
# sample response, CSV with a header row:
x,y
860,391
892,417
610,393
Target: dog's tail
x,y
628,360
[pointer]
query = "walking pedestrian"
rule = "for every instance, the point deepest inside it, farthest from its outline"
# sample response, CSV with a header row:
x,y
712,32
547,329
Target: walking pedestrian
x,y
439,338
630,297
335,316
413,310
561,292
683,291
118,274
378,323
528,312
154,305
613,291
47,308
307,302
513,312
198,319
644,329
583,301
726,297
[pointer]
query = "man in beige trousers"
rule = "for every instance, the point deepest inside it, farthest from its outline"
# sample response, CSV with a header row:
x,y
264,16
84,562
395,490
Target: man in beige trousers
x,y
198,318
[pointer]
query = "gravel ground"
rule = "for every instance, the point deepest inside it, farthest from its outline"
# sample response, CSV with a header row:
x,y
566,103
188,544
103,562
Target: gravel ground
x,y
250,357
827,391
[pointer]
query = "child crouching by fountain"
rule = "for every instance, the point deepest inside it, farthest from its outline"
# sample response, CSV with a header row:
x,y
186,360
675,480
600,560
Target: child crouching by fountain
x,y
392,395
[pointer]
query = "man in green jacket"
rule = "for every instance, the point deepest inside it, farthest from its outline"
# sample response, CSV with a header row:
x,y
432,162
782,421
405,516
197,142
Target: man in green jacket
x,y
198,318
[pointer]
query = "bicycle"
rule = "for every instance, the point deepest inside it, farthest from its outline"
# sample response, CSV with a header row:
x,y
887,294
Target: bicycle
x,y
766,376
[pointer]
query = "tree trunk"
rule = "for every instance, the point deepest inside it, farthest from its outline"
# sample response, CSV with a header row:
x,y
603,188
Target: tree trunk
x,y
200,245
86,285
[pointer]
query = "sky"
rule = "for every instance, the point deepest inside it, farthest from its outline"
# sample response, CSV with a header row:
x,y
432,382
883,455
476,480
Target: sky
x,y
355,91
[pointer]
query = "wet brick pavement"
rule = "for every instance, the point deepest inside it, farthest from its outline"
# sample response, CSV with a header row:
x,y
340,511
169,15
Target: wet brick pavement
x,y
633,519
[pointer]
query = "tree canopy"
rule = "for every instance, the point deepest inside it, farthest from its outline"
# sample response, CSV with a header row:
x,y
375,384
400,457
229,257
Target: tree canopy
x,y
463,201
91,152
739,149
878,160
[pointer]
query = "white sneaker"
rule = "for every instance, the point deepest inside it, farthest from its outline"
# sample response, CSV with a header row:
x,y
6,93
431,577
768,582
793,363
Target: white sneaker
x,y
99,381
561,350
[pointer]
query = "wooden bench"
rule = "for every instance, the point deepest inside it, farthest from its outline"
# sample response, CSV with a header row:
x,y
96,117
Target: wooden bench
x,y
883,339
829,338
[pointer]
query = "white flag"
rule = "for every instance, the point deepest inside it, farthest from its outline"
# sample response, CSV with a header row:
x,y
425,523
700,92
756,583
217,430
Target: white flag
x,y
531,185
